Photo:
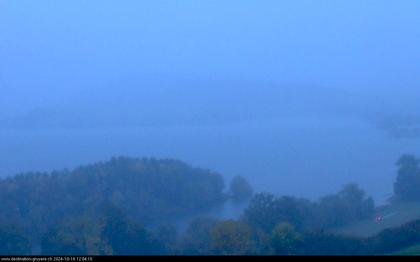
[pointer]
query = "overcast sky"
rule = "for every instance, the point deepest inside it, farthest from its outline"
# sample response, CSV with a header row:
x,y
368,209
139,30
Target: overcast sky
x,y
51,50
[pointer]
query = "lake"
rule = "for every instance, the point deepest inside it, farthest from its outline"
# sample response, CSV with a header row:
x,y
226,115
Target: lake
x,y
307,157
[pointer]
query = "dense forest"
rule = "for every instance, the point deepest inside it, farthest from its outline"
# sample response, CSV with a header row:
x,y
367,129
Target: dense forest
x,y
129,206
149,190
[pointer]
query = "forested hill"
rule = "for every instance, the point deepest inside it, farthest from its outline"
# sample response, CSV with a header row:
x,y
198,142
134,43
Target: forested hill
x,y
127,206
149,190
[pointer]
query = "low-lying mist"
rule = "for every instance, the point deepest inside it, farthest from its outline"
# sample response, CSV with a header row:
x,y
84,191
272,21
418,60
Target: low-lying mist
x,y
277,136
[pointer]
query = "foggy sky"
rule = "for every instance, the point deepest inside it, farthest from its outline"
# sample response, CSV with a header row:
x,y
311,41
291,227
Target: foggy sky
x,y
64,53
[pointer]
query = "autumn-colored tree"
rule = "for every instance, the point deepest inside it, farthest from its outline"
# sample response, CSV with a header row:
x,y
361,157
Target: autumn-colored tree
x,y
285,240
232,238
197,238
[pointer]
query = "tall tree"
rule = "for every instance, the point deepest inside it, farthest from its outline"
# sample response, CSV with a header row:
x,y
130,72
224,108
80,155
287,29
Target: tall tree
x,y
240,189
285,240
407,184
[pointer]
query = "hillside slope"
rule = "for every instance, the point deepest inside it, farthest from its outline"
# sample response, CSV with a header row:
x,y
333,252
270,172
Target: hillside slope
x,y
391,216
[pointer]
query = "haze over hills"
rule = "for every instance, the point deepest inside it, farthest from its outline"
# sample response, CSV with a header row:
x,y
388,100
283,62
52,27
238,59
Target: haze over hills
x,y
121,65
290,132
165,101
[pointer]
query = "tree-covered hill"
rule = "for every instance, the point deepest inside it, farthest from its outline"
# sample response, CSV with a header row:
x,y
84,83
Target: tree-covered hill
x,y
149,190
128,206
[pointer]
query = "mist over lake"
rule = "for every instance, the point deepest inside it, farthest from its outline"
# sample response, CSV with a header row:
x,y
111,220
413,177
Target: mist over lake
x,y
276,155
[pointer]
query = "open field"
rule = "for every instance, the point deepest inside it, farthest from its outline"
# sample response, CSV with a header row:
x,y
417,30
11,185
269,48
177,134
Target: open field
x,y
392,216
410,251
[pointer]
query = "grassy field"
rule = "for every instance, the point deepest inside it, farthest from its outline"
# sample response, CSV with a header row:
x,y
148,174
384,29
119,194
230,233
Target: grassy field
x,y
410,251
393,216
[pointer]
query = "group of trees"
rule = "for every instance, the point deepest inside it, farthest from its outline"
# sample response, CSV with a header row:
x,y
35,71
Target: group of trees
x,y
238,238
270,225
149,190
130,206
266,211
114,233
118,235
51,208
13,241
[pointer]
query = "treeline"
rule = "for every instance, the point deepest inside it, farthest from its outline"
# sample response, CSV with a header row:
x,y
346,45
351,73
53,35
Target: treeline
x,y
148,190
265,210
116,234
128,206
